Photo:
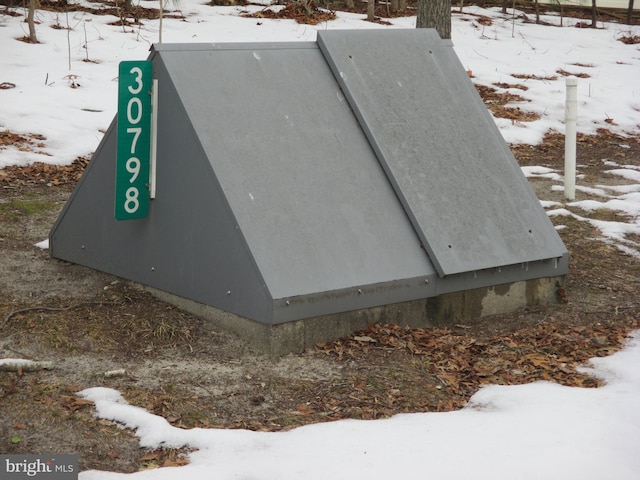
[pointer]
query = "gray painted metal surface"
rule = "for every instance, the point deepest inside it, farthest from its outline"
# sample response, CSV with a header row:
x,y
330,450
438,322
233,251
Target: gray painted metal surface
x,y
458,181
310,198
271,202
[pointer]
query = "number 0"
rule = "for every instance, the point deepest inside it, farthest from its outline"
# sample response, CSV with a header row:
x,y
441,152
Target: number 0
x,y
138,103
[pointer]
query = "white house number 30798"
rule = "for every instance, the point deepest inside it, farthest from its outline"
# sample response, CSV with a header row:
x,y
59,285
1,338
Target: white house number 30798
x,y
134,140
134,115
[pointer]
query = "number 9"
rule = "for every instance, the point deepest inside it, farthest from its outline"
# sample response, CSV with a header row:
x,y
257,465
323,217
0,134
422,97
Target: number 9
x,y
133,167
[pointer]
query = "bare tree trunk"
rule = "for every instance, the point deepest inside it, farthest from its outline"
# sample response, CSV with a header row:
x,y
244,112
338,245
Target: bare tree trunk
x,y
349,4
394,5
505,4
537,10
371,10
161,16
594,14
630,12
435,14
31,23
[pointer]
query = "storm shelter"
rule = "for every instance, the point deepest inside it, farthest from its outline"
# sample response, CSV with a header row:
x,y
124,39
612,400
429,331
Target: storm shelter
x,y
306,189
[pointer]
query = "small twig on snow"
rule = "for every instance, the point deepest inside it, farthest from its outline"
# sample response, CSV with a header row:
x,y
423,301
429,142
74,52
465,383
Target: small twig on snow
x,y
26,366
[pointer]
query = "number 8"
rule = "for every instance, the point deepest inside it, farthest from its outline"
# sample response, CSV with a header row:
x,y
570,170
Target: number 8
x,y
132,198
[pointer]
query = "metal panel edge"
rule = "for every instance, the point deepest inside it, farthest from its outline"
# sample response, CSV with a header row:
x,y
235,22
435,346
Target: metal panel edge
x,y
506,274
354,298
370,296
195,47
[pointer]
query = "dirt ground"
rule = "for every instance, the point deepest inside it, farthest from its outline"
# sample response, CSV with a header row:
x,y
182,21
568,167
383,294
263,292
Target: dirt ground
x,y
89,324
98,330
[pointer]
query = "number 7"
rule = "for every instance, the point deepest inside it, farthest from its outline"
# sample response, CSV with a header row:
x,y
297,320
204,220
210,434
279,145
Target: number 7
x,y
136,134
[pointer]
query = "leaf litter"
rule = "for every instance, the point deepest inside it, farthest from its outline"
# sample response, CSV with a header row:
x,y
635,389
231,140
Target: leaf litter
x,y
388,369
376,373
462,362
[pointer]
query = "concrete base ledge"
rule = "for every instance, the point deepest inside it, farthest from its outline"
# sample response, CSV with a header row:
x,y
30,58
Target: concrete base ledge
x,y
442,311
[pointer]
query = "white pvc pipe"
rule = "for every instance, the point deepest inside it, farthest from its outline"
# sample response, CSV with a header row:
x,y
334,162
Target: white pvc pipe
x,y
571,116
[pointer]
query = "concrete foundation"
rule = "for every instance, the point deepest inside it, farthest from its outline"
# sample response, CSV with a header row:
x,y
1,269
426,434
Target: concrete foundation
x,y
444,310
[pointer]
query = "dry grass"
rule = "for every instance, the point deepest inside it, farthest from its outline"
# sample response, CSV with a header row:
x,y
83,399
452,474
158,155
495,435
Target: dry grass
x,y
386,370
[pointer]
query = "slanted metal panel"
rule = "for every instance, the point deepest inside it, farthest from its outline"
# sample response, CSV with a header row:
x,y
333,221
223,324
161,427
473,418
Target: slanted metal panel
x,y
308,193
189,244
466,197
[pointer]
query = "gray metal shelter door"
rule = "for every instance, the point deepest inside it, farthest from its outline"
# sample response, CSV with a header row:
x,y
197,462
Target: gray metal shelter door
x,y
462,189
315,208
296,180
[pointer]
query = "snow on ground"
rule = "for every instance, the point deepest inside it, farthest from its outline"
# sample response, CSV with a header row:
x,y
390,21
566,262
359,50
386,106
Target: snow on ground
x,y
85,49
611,90
623,199
536,431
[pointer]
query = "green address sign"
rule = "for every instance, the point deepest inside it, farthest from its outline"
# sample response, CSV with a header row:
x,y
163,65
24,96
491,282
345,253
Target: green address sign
x,y
134,140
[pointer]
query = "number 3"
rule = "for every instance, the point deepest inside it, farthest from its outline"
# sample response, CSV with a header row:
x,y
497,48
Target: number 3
x,y
138,73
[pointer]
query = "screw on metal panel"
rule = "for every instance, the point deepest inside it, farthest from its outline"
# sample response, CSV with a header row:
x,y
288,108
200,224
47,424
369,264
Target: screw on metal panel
x,y
153,269
228,292
359,290
426,281
287,303
82,247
